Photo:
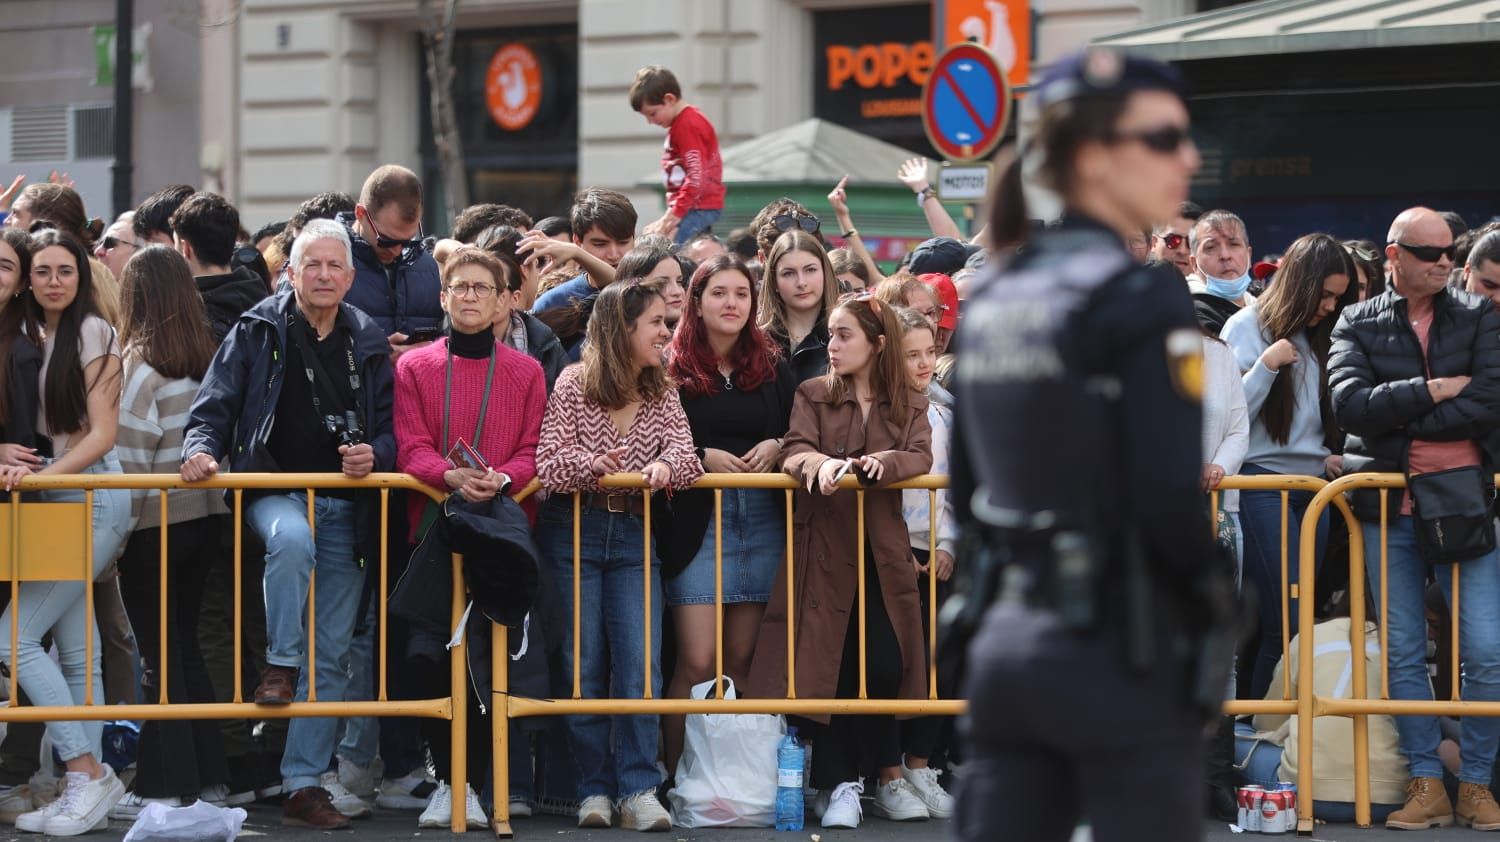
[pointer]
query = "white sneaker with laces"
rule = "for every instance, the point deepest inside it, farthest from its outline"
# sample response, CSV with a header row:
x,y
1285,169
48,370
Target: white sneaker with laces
x,y
130,807
840,808
898,802
595,811
358,779
924,782
474,815
439,812
217,795
85,804
413,792
643,812
346,802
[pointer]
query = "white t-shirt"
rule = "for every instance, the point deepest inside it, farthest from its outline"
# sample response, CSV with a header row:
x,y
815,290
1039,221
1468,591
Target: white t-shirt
x,y
95,339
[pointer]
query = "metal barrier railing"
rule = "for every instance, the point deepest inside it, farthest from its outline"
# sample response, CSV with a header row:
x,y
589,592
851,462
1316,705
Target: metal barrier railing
x,y
1360,708
42,537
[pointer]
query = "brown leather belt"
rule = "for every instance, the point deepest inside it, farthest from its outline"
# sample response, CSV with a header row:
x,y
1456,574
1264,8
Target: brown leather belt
x,y
629,504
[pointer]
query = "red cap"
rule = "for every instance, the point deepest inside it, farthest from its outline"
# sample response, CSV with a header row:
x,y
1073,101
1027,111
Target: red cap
x,y
1264,269
947,296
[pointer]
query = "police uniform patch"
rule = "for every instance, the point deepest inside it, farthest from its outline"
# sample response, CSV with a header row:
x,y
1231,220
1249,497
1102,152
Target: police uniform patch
x,y
1185,363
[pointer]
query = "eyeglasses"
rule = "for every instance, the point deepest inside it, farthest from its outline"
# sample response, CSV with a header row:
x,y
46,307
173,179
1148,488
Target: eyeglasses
x,y
385,242
1172,241
481,291
785,222
111,243
1163,141
1430,254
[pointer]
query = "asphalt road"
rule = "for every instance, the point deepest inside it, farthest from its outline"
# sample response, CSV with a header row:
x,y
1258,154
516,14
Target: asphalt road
x,y
264,824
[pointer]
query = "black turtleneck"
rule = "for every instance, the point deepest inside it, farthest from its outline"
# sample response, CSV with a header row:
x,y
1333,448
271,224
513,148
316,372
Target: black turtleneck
x,y
472,346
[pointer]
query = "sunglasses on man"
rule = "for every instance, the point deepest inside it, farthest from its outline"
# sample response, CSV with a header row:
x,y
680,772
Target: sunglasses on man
x,y
1172,241
382,241
112,243
785,222
1429,254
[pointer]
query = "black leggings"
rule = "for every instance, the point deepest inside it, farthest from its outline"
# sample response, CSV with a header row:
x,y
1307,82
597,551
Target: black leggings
x,y
851,746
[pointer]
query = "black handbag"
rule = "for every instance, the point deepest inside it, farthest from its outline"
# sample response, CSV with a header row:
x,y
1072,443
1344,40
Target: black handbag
x,y
1453,514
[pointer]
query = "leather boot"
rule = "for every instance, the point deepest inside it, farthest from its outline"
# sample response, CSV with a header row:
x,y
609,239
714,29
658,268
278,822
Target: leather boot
x,y
1427,806
1477,807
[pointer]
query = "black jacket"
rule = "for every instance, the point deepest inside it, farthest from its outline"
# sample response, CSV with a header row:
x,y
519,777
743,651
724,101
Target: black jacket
x,y
810,359
228,296
1213,311
543,346
1378,380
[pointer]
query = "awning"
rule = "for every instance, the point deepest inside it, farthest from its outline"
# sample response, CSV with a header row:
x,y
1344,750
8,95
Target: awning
x,y
1274,27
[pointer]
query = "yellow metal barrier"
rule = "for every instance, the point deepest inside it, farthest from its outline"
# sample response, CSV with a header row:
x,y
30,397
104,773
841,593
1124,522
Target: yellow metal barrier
x,y
38,541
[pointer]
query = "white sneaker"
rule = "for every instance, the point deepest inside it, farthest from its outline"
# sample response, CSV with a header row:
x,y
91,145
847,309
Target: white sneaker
x,y
924,782
217,795
595,811
15,800
840,808
358,779
412,792
520,808
643,812
34,821
474,815
898,802
85,804
346,802
439,812
130,807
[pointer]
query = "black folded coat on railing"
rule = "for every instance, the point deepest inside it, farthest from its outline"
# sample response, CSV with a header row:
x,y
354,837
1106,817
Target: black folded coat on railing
x,y
500,565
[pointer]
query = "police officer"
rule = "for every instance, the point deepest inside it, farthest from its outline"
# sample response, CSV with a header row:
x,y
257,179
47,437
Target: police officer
x,y
1077,477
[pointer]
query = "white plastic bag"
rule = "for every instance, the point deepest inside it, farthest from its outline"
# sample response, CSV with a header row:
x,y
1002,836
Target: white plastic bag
x,y
727,774
202,822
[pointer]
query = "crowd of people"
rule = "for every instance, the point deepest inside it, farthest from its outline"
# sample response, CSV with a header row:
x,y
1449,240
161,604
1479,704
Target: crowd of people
x,y
346,341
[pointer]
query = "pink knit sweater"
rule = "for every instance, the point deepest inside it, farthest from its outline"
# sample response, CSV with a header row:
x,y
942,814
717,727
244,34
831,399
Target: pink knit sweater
x,y
512,424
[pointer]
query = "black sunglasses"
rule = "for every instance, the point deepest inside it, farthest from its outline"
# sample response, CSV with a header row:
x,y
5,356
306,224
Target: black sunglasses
x,y
385,242
110,243
1165,140
785,222
1430,254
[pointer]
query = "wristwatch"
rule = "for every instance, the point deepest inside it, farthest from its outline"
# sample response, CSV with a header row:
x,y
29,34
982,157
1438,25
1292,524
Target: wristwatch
x,y
852,232
924,194
505,483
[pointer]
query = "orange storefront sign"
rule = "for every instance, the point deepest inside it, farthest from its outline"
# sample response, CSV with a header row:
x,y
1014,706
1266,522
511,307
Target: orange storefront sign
x,y
879,65
513,86
1001,26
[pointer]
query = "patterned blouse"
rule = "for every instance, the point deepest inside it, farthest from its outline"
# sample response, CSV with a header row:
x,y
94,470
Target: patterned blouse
x,y
575,431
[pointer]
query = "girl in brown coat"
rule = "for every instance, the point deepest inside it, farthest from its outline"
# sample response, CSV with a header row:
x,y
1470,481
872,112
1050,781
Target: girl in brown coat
x,y
865,418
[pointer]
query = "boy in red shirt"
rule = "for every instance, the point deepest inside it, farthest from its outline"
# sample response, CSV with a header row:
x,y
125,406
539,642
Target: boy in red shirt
x,y
693,171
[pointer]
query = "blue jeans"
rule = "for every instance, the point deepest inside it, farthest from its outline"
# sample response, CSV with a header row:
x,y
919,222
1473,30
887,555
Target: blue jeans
x,y
694,224
1257,762
359,736
1406,631
61,608
1260,524
281,521
614,756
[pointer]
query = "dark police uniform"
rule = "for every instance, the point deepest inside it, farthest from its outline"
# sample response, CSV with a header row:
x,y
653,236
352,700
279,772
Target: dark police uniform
x,y
1076,473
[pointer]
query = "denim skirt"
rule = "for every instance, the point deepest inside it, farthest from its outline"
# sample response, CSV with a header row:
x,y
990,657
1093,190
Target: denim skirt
x,y
754,546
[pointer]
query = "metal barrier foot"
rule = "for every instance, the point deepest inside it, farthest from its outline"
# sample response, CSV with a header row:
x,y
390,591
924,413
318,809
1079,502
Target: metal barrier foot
x,y
502,829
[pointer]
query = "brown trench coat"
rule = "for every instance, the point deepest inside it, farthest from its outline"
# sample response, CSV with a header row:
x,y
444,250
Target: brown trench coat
x,y
825,553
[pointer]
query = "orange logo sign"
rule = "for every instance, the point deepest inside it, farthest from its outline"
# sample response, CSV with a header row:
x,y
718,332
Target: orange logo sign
x,y
513,86
1001,26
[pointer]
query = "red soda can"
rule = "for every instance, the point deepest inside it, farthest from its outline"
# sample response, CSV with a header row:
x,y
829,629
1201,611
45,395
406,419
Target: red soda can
x,y
1249,803
1272,808
1289,795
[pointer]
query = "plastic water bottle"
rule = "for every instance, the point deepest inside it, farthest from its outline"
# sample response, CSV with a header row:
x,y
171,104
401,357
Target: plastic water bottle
x,y
789,782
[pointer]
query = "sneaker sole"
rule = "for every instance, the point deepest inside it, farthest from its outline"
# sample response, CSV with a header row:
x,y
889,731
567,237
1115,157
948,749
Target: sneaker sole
x,y
240,799
661,824
840,825
1440,821
594,820
357,814
938,814
900,815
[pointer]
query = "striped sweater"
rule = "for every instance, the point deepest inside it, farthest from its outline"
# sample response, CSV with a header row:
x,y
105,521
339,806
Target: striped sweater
x,y
153,413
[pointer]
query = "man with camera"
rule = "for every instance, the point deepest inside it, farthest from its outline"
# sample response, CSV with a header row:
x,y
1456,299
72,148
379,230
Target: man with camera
x,y
303,383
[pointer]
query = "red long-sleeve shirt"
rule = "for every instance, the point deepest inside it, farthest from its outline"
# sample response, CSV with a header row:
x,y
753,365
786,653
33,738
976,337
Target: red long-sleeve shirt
x,y
691,165
512,422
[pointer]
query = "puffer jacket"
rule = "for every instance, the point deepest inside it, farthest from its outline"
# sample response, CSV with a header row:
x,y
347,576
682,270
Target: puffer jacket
x,y
1378,379
404,297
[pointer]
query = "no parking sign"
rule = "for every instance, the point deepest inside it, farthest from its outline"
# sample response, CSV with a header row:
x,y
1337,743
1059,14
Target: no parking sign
x,y
965,103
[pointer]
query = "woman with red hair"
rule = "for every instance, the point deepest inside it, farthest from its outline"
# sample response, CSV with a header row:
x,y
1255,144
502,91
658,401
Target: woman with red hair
x,y
737,393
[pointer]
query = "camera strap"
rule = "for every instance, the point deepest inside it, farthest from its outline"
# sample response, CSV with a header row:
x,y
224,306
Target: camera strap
x,y
484,403
318,377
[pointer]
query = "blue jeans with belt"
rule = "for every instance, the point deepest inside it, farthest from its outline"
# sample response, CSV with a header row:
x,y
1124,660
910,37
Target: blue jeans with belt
x,y
614,756
1406,634
292,554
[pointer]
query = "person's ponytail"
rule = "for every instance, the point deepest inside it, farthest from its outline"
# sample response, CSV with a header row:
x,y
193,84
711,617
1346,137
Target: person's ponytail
x,y
1010,222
